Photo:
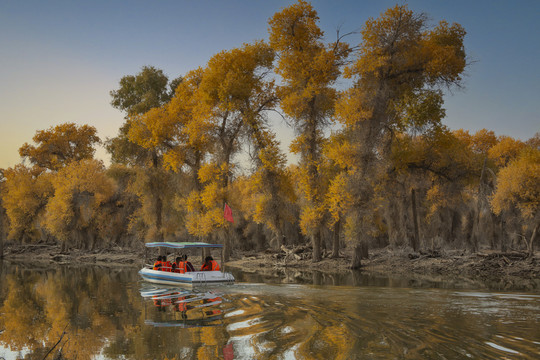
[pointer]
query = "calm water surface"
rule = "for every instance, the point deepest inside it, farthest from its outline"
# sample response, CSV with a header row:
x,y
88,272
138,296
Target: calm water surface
x,y
108,313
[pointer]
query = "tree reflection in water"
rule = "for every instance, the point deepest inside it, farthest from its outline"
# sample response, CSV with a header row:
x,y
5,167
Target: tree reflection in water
x,y
109,313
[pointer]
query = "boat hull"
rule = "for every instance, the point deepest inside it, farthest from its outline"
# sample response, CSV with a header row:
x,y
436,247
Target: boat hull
x,y
190,279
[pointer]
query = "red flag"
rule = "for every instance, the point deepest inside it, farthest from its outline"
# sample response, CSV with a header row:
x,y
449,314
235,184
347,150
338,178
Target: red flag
x,y
227,214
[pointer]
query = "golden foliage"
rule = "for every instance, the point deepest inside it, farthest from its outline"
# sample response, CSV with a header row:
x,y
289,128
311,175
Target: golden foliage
x,y
518,185
308,69
24,198
398,66
59,145
79,190
339,197
480,143
505,150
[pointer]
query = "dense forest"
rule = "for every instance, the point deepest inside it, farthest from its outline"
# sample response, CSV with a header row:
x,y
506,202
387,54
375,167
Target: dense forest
x,y
376,165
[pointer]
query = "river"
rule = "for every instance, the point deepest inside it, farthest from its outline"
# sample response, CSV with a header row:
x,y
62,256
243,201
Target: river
x,y
108,313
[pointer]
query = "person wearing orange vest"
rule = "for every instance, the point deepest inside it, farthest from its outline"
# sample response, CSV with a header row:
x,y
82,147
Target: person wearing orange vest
x,y
180,265
188,266
210,264
166,264
157,264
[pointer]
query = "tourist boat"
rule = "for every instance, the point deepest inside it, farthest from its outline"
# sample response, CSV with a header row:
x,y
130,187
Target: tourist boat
x,y
190,279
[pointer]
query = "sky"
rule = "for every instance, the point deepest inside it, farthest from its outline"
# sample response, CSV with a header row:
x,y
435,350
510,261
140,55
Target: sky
x,y
60,59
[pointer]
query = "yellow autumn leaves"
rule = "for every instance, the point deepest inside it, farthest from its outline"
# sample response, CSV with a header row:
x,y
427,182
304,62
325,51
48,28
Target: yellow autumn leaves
x,y
176,159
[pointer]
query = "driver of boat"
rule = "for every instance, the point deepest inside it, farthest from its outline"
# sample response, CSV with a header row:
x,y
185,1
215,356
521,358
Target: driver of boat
x,y
210,264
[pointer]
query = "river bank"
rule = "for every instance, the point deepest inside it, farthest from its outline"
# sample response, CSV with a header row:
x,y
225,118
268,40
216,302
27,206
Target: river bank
x,y
507,270
486,269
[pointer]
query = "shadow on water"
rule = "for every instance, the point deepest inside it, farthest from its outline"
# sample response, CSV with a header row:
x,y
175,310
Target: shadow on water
x,y
108,313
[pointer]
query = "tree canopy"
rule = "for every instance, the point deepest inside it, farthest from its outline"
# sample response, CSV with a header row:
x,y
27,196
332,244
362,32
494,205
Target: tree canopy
x,y
376,165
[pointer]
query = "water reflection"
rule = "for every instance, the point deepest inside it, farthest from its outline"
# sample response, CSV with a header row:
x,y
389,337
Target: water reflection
x,y
360,278
177,307
108,313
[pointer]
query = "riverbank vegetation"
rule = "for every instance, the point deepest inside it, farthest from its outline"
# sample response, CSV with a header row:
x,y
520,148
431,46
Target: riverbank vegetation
x,y
376,165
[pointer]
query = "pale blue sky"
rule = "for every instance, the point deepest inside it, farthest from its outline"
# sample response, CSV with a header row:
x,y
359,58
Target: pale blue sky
x,y
60,59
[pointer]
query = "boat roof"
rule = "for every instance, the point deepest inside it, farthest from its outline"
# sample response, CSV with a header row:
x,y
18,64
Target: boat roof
x,y
183,245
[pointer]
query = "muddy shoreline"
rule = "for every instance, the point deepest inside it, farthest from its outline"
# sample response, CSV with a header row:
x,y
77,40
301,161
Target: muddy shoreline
x,y
510,270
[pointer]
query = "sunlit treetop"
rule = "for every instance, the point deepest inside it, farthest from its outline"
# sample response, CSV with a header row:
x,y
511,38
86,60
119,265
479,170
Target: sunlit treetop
x,y
139,93
506,150
58,146
306,64
480,142
401,69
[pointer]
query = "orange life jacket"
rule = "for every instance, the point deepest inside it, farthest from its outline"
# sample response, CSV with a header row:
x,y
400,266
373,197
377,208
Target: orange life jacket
x,y
166,266
157,265
213,266
180,267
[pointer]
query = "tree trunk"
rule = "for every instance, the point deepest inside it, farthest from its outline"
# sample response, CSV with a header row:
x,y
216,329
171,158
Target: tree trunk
x,y
502,237
416,238
227,247
357,257
316,241
364,249
158,210
531,242
1,236
337,233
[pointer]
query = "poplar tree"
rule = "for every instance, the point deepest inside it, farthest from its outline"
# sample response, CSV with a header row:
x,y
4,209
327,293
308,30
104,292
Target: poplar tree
x,y
401,70
308,69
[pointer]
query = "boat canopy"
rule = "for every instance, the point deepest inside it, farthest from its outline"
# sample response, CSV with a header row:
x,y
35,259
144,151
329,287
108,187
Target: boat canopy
x,y
182,245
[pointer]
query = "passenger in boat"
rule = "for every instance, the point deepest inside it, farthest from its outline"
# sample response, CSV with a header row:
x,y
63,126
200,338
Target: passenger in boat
x,y
166,264
188,266
157,264
210,264
180,265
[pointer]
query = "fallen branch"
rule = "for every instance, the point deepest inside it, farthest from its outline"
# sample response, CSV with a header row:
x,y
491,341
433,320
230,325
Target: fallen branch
x,y
55,345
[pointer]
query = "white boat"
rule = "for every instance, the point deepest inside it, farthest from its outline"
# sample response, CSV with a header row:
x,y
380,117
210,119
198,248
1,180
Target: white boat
x,y
190,279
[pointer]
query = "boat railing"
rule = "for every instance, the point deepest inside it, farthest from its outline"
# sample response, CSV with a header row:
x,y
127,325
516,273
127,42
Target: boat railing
x,y
229,278
200,277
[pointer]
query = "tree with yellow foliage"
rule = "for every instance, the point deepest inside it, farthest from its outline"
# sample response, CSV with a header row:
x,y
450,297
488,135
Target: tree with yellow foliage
x,y
308,69
268,195
25,195
27,190
505,150
80,189
443,170
518,187
58,146
401,69
136,96
480,142
3,216
174,131
233,93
